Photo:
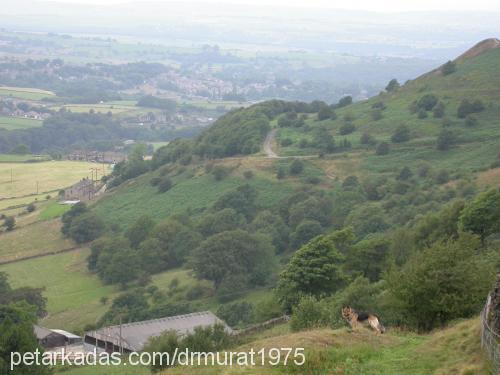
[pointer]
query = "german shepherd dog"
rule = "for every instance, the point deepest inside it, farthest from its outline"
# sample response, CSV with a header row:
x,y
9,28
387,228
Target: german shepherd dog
x,y
355,318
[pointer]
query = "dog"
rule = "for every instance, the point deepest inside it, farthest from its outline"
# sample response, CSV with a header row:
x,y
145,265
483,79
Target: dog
x,y
355,318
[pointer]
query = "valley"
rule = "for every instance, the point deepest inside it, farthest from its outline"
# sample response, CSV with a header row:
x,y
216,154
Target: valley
x,y
132,192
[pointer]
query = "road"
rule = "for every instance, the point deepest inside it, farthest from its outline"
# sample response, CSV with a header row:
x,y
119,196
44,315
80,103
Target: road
x,y
268,142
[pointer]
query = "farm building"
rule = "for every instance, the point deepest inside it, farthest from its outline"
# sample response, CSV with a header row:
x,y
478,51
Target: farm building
x,y
54,338
83,190
132,337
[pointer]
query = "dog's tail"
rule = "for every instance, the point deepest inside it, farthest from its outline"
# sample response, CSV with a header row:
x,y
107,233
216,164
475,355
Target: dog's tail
x,y
380,326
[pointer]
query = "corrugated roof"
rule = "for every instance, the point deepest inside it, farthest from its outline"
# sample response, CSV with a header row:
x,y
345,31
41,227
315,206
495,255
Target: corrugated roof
x,y
135,335
67,334
41,332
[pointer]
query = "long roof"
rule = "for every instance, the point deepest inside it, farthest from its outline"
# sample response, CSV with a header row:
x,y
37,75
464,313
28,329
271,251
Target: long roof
x,y
135,335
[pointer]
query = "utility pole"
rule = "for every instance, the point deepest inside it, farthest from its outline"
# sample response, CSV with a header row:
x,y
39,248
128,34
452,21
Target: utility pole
x,y
121,348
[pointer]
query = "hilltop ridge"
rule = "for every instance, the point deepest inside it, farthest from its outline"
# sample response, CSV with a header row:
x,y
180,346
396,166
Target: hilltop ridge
x,y
479,48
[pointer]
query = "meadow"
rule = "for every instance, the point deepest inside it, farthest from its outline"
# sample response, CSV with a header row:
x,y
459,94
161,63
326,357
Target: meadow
x,y
25,93
14,158
47,176
41,237
16,123
193,190
73,293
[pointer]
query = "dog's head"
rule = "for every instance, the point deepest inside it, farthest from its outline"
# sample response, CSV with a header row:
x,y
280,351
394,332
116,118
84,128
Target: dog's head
x,y
347,312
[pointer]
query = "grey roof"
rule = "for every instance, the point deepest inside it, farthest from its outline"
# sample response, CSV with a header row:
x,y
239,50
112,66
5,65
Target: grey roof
x,y
135,335
41,332
66,334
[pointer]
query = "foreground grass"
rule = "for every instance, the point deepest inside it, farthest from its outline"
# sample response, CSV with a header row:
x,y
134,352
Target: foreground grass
x,y
50,176
454,350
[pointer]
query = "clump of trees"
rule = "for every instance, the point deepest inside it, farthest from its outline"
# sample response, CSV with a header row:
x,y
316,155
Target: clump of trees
x,y
468,107
81,224
151,101
401,134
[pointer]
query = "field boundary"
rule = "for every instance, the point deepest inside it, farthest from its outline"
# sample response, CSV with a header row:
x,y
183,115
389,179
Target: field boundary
x,y
490,340
68,250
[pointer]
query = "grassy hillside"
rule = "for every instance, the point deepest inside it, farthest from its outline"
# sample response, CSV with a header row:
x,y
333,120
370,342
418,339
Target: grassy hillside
x,y
453,350
194,190
475,147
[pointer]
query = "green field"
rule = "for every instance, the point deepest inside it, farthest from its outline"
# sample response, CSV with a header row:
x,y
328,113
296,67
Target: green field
x,y
25,93
13,158
15,123
102,108
72,292
54,210
50,176
198,192
38,238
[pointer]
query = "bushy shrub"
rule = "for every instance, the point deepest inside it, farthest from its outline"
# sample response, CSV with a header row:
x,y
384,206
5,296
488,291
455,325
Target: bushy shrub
x,y
310,313
347,128
164,185
401,134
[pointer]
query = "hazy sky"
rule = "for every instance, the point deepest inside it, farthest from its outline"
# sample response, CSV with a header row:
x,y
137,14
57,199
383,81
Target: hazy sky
x,y
372,5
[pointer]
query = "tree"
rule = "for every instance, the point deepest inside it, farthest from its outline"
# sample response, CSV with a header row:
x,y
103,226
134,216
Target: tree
x,y
392,85
220,221
382,149
272,225
9,223
67,218
347,128
445,140
467,107
401,134
367,139
482,215
234,253
367,219
30,207
344,102
164,185
20,149
306,230
427,102
296,167
369,257
326,113
405,174
139,231
438,111
449,68
242,200
86,227
281,173
315,269
444,282
17,336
